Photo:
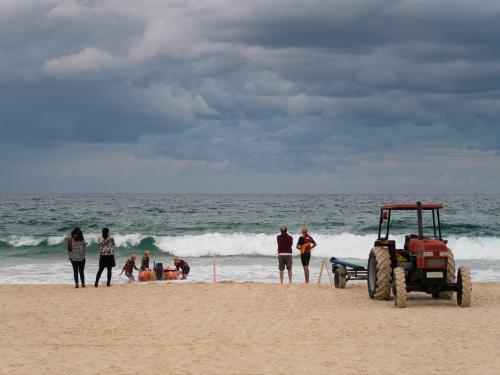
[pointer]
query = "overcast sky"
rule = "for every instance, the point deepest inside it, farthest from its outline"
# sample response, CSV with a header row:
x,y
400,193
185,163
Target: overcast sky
x,y
250,96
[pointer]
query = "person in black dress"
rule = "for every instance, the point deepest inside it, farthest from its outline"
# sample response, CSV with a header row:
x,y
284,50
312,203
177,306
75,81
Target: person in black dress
x,y
106,256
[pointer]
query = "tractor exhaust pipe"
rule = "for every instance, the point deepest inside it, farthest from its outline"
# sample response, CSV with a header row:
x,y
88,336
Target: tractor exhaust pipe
x,y
419,220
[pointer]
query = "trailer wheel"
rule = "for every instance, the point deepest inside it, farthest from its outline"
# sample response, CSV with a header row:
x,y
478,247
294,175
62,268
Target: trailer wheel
x,y
399,287
464,292
339,277
450,275
379,273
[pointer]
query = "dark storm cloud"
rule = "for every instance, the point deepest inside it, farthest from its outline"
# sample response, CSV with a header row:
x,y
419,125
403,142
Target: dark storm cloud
x,y
257,88
372,25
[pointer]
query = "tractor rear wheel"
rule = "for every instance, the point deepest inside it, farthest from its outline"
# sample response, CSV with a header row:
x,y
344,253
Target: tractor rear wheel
x,y
340,277
450,275
399,287
379,273
464,293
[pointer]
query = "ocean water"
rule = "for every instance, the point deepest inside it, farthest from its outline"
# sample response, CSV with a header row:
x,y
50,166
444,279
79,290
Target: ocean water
x,y
239,230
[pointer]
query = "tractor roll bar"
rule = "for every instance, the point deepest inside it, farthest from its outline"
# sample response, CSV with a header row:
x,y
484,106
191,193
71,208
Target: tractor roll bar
x,y
420,208
381,222
419,220
427,206
439,225
434,223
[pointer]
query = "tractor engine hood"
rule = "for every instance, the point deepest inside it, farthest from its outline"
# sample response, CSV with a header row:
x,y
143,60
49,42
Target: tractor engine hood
x,y
426,244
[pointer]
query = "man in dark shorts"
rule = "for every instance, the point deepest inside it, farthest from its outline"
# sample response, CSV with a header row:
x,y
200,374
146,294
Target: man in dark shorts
x,y
305,245
285,243
183,266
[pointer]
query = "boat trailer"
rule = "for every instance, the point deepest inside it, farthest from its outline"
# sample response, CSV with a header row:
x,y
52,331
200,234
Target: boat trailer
x,y
344,271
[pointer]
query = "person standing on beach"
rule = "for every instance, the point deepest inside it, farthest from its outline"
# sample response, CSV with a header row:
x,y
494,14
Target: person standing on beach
x,y
76,249
285,243
106,256
305,245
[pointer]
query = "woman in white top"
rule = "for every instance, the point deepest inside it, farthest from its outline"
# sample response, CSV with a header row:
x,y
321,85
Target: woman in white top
x,y
106,256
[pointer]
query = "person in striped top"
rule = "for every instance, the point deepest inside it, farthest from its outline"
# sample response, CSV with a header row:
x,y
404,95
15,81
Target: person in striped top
x,y
76,250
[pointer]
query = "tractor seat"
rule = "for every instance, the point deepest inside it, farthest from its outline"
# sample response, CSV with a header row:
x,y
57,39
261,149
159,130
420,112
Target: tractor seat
x,y
408,237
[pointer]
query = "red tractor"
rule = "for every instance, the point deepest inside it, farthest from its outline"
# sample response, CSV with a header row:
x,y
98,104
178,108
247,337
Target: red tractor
x,y
424,264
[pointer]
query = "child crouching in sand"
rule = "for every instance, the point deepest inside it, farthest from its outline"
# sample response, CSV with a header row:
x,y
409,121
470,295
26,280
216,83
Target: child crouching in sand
x,y
129,268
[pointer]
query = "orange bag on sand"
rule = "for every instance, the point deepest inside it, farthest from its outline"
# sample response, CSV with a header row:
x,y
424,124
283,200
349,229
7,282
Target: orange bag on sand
x,y
169,275
147,275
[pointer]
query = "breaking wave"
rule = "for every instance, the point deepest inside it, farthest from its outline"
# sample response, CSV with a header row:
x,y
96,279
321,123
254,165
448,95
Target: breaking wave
x,y
250,244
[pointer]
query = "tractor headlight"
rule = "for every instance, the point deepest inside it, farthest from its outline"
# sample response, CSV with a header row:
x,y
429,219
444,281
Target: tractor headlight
x,y
428,254
443,254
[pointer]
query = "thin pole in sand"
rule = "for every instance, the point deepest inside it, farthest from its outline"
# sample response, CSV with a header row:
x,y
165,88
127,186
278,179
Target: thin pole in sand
x,y
329,272
214,280
321,270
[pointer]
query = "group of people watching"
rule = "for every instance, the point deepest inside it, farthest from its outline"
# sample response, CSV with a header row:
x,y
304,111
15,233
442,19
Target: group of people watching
x,y
285,242
77,245
76,248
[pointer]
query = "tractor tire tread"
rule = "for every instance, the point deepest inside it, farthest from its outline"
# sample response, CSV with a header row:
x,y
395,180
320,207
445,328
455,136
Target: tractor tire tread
x,y
450,275
466,286
400,282
384,273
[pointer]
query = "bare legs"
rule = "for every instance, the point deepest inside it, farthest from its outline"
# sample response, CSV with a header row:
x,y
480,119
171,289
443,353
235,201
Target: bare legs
x,y
289,276
306,273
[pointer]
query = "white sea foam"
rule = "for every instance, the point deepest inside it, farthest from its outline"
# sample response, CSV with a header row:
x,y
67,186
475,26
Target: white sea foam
x,y
230,244
220,244
475,247
121,240
126,240
55,240
18,241
339,245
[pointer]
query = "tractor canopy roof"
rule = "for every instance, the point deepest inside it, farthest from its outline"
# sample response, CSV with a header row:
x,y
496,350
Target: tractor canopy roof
x,y
431,206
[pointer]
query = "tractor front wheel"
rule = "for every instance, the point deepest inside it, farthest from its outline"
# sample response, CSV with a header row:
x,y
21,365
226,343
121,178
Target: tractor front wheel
x,y
450,275
340,277
464,293
399,287
379,273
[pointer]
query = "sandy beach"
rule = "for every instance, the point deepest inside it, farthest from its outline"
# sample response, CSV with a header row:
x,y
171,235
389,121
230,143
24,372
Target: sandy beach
x,y
246,328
